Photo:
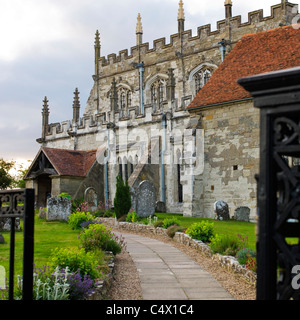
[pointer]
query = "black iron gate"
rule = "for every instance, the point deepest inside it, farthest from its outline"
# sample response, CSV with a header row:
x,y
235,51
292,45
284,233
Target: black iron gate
x,y
277,95
20,204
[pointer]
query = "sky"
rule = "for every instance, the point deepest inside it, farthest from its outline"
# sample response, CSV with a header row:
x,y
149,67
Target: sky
x,y
47,49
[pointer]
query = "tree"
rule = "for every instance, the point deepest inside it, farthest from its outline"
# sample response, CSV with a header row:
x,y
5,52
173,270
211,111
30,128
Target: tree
x,y
6,180
122,200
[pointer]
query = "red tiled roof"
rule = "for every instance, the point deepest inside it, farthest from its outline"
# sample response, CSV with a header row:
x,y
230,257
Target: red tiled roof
x,y
256,53
71,162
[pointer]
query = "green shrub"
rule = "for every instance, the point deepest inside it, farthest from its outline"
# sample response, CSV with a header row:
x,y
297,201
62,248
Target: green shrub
x,y
77,218
132,216
122,200
76,259
65,195
244,254
158,224
225,244
169,222
173,229
203,231
97,236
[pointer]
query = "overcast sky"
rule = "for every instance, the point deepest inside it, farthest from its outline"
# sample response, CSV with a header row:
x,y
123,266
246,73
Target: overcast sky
x,y
47,49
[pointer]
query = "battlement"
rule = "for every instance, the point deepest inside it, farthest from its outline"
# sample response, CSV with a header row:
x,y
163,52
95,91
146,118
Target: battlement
x,y
205,33
100,122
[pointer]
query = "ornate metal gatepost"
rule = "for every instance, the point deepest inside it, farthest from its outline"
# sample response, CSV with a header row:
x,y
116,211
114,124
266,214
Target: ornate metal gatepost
x,y
277,95
20,204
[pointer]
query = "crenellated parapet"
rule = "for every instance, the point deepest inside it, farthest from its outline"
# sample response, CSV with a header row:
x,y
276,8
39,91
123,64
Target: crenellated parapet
x,y
256,22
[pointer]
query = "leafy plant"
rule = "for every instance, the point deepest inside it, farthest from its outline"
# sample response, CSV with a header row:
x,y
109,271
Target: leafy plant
x,y
244,254
76,259
251,264
97,236
173,229
77,218
80,288
46,285
122,200
158,224
65,195
132,216
225,244
203,231
169,222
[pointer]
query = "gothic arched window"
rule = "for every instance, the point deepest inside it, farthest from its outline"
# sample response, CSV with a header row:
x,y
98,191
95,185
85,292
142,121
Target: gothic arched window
x,y
200,78
158,89
124,101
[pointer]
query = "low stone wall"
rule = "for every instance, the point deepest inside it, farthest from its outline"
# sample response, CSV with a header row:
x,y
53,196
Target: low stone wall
x,y
228,262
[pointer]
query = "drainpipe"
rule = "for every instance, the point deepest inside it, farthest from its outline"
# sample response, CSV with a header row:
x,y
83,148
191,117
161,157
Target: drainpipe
x,y
222,47
164,125
140,66
106,165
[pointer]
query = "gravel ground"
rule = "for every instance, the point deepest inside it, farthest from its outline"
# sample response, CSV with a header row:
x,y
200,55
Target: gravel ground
x,y
126,284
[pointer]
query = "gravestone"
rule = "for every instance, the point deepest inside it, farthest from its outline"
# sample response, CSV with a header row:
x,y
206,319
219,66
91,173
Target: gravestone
x,y
2,240
6,222
133,198
90,196
160,206
221,210
145,199
58,208
42,213
242,214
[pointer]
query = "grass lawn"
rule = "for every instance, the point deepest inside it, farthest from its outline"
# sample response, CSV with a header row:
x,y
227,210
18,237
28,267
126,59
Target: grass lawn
x,y
47,236
229,227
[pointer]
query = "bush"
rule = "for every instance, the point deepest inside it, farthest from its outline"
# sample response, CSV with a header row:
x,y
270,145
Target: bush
x,y
173,229
251,264
203,231
244,254
158,224
169,222
65,195
97,236
77,260
225,244
132,216
122,200
47,285
77,218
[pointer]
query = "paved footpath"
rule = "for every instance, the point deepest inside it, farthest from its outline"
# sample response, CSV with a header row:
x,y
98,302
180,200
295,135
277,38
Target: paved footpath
x,y
166,273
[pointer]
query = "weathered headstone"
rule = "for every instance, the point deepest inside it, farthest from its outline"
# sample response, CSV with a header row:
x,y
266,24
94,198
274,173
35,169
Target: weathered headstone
x,y
58,208
160,206
6,222
145,199
42,213
242,214
133,198
2,240
90,196
221,210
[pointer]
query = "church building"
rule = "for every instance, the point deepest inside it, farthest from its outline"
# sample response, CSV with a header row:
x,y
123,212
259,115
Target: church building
x,y
146,119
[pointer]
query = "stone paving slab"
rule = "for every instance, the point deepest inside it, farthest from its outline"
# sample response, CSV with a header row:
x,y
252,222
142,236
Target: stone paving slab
x,y
166,273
